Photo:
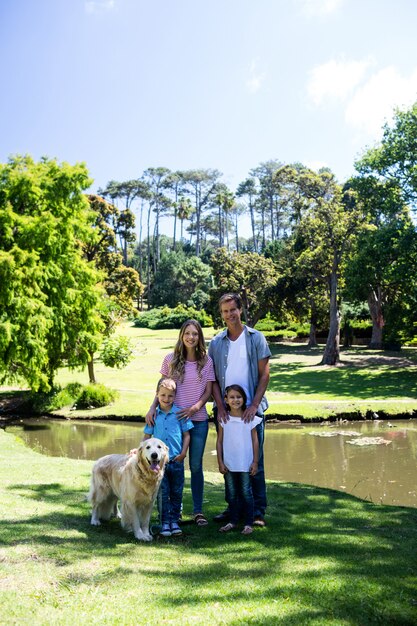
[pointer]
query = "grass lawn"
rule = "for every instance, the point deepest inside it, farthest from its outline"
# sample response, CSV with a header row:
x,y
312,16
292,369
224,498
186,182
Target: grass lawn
x,y
299,386
324,558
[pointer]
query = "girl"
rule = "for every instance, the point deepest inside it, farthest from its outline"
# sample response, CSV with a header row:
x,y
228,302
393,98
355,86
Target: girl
x,y
193,371
237,455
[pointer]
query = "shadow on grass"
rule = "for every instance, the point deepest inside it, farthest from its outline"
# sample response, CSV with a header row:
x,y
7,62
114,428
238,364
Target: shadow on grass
x,y
327,554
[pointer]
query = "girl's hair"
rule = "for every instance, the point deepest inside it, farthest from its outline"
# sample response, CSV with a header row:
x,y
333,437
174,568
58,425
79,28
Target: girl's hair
x,y
240,390
167,383
177,365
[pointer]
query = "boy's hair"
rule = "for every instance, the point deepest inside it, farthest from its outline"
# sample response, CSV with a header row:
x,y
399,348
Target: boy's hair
x,y
240,390
227,297
168,383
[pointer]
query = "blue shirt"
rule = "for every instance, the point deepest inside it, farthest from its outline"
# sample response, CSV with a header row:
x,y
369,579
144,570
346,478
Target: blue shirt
x,y
257,348
169,429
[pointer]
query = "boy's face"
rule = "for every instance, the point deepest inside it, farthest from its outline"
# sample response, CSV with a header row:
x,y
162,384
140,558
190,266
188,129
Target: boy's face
x,y
165,397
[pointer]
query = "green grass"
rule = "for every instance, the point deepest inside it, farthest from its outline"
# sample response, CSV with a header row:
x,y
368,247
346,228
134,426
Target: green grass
x,y
324,558
299,386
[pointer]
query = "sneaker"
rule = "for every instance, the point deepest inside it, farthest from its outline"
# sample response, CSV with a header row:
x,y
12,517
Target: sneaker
x,y
175,529
165,530
259,521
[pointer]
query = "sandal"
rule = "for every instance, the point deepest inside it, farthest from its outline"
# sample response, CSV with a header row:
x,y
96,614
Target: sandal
x,y
247,530
225,529
200,520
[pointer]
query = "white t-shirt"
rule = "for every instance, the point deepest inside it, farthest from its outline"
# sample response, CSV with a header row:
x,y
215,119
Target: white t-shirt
x,y
237,371
237,443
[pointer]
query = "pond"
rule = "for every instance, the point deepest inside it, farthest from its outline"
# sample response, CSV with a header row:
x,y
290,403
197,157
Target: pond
x,y
375,461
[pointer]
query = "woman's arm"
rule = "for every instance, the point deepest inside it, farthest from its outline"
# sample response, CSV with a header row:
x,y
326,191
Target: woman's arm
x,y
150,415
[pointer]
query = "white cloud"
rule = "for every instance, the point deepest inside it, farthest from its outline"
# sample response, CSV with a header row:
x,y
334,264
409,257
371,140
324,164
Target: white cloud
x,y
368,99
256,77
313,8
335,80
374,102
99,6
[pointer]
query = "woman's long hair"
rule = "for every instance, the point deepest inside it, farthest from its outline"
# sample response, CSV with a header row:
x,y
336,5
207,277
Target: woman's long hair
x,y
177,365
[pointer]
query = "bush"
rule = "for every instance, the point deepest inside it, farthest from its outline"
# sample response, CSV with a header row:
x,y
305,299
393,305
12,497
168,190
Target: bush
x,y
55,399
117,352
95,395
171,318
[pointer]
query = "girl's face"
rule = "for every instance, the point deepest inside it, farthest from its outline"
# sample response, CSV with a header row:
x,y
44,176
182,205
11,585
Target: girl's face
x,y
234,399
190,337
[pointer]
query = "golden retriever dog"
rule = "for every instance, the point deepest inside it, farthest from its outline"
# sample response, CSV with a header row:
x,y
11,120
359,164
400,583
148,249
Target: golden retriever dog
x,y
134,480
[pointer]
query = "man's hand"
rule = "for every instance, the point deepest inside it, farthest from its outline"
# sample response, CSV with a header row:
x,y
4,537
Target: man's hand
x,y
222,414
249,413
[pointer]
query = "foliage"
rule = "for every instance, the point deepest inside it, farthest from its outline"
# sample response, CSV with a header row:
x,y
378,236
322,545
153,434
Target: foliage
x,y
171,318
250,275
49,291
95,395
117,351
181,280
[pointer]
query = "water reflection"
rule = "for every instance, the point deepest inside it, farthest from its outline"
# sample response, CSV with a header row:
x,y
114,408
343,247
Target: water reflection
x,y
322,456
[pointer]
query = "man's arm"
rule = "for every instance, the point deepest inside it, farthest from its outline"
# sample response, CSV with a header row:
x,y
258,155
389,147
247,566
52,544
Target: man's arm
x,y
263,380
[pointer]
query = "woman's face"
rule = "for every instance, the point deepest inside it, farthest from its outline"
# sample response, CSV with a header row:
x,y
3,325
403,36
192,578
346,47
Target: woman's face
x,y
191,336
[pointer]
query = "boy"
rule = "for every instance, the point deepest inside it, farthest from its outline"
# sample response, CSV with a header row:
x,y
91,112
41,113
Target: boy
x,y
174,432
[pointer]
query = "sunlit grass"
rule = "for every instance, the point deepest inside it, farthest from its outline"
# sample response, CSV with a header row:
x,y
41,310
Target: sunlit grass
x,y
324,557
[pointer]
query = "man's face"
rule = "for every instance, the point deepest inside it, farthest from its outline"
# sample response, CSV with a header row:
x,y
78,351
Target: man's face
x,y
231,314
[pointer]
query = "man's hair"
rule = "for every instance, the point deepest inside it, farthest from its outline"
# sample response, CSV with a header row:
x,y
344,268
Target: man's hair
x,y
227,297
167,383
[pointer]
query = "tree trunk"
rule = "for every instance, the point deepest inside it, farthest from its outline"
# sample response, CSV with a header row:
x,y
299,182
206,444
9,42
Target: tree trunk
x,y
91,375
312,340
252,220
375,309
331,354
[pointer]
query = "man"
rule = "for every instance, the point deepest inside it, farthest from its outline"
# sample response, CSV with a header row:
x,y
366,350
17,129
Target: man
x,y
241,356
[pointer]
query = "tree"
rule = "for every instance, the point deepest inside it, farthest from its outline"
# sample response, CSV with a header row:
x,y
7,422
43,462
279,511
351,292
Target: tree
x,y
179,278
395,159
124,220
49,291
249,274
247,189
202,185
331,224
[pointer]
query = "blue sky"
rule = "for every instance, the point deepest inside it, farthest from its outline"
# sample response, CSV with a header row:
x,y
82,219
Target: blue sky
x,y
126,84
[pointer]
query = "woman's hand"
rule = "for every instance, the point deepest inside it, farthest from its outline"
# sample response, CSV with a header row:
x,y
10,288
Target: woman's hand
x,y
150,417
185,414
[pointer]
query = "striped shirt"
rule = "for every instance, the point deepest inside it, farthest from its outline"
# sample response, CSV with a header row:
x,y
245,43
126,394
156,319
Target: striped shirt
x,y
190,390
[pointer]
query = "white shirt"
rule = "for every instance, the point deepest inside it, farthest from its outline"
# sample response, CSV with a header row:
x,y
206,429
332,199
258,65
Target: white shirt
x,y
237,371
237,443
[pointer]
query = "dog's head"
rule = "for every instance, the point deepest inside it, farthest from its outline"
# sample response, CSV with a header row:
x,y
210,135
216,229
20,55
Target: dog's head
x,y
153,453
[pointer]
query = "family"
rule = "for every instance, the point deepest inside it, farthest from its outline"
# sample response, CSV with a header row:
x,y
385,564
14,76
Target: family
x,y
235,372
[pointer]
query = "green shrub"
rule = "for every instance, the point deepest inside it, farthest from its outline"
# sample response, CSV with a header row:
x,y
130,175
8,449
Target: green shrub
x,y
95,395
171,318
117,352
56,399
280,334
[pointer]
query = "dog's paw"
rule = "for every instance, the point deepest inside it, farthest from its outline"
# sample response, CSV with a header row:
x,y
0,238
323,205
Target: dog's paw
x,y
95,522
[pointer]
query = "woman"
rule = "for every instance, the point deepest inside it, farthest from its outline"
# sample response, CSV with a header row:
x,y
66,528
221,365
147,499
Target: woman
x,y
192,369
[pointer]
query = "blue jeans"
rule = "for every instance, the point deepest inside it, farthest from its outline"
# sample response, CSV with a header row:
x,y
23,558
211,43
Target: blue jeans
x,y
198,438
238,485
170,493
